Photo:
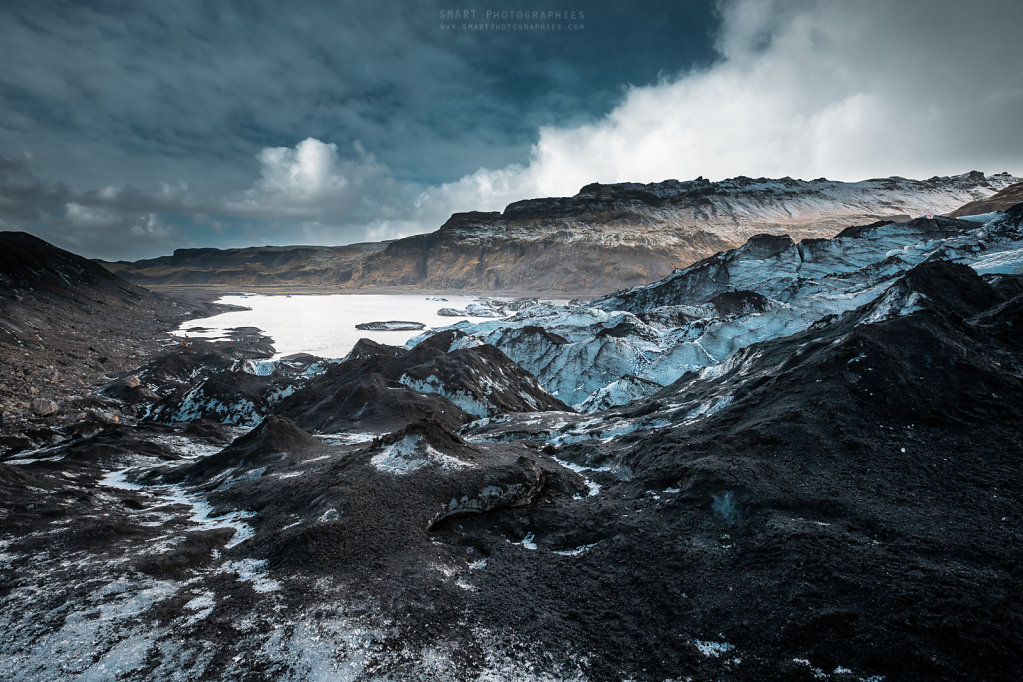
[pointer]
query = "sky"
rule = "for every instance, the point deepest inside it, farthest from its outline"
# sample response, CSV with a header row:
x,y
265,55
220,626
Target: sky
x,y
131,128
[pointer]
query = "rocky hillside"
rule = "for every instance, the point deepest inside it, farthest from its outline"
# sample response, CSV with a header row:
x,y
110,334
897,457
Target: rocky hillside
x,y
1000,201
606,237
64,321
259,266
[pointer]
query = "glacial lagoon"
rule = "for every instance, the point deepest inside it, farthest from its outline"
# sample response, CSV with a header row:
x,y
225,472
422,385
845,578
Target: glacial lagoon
x,y
324,325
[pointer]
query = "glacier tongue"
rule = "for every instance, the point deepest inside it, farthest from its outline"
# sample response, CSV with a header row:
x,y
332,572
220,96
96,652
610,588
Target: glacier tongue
x,y
623,346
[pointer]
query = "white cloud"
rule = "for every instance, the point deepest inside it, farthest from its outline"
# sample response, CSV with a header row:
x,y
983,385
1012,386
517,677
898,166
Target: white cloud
x,y
313,182
846,90
82,216
309,172
801,88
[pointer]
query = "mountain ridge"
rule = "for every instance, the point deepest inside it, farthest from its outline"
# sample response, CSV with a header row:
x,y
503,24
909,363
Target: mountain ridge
x,y
606,237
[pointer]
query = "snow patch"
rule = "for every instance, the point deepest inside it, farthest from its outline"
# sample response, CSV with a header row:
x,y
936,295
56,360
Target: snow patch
x,y
200,511
410,454
712,649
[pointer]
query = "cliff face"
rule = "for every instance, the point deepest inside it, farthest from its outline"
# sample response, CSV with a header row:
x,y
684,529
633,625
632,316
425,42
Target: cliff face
x,y
605,237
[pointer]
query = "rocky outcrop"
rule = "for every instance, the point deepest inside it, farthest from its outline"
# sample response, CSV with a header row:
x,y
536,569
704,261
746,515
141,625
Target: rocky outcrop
x,y
65,322
383,387
259,447
44,407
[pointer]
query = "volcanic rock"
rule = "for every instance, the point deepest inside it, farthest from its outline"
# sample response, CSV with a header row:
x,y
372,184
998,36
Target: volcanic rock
x,y
44,407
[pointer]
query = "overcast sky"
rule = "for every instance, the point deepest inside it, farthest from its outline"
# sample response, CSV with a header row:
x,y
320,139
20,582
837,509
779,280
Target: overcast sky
x,y
129,129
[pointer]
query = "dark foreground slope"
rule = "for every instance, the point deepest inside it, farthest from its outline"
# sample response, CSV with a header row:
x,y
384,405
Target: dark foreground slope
x,y
865,475
841,499
841,504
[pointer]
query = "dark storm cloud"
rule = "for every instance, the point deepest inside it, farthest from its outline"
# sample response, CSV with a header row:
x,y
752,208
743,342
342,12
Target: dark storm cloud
x,y
114,94
172,87
97,90
120,220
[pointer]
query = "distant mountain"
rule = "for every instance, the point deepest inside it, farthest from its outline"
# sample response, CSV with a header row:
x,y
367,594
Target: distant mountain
x,y
605,237
255,266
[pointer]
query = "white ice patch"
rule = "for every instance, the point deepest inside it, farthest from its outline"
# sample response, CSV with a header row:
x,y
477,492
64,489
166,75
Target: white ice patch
x,y
710,407
816,672
576,551
100,638
712,649
1008,262
460,399
260,368
195,405
620,392
203,606
529,542
593,486
200,510
344,439
410,454
894,304
252,571
981,217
